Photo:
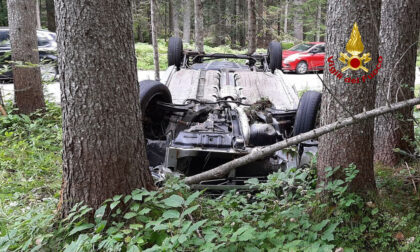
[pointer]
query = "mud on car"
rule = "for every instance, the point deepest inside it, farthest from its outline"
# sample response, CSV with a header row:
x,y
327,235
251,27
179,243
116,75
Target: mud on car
x,y
213,108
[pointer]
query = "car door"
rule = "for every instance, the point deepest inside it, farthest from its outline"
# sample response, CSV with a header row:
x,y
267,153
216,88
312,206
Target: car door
x,y
319,58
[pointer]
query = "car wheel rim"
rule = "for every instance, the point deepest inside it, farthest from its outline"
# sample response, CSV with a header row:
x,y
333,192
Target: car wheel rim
x,y
301,68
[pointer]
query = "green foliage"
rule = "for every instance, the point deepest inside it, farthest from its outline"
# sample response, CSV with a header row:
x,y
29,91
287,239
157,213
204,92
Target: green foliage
x,y
287,213
29,163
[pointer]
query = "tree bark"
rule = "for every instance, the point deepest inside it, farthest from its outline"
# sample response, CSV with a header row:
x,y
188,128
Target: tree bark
x,y
286,9
38,15
352,144
399,34
199,26
50,15
175,18
252,23
103,145
29,96
154,38
298,20
260,24
263,152
186,36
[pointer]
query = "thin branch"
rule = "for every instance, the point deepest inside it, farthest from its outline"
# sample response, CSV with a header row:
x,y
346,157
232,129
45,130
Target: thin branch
x,y
262,152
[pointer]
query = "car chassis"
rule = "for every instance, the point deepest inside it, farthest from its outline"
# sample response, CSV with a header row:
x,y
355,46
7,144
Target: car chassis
x,y
207,114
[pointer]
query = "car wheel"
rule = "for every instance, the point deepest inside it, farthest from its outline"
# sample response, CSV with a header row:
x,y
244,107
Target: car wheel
x,y
154,123
175,52
307,112
275,56
301,67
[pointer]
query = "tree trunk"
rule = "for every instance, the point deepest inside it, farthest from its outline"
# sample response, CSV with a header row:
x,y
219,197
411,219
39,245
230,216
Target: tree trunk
x,y
286,9
353,144
186,36
298,20
199,29
398,41
175,18
50,15
29,96
242,34
280,4
103,144
38,15
318,22
260,24
252,23
154,38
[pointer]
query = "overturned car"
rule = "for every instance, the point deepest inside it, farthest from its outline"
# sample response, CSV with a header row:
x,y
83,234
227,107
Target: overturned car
x,y
212,109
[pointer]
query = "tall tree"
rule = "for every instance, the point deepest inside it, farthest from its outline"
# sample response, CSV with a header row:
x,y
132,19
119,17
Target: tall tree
x,y
260,23
286,9
353,144
175,18
198,25
399,33
29,96
50,15
38,15
318,22
153,20
298,20
252,27
103,144
186,31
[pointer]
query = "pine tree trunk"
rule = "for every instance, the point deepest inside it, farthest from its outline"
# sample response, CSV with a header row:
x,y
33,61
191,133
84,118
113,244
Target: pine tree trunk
x,y
199,26
186,36
29,95
298,20
318,22
260,25
252,23
175,18
103,144
286,9
154,38
399,35
353,144
38,15
171,17
50,15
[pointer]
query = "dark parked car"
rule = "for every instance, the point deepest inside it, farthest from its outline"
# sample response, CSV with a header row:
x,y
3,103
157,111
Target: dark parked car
x,y
47,47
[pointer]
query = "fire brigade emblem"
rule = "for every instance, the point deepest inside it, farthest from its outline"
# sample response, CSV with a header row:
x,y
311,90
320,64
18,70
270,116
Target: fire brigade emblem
x,y
355,47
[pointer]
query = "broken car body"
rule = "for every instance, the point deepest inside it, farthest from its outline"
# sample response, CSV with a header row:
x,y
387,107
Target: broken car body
x,y
209,112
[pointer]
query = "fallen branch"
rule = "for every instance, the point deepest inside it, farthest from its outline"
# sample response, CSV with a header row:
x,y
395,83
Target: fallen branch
x,y
262,152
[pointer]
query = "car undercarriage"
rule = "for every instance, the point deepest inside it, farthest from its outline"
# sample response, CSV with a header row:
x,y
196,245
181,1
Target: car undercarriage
x,y
208,113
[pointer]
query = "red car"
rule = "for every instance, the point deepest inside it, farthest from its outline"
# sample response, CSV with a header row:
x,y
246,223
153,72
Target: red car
x,y
304,57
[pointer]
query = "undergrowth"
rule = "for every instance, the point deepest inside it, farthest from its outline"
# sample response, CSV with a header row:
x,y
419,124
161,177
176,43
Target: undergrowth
x,y
284,214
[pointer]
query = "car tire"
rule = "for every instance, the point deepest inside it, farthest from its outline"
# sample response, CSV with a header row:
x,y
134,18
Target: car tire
x,y
275,56
302,67
154,124
175,52
307,112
